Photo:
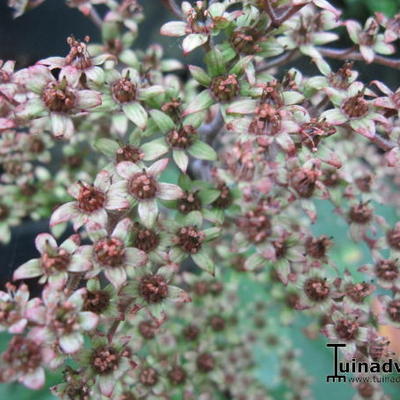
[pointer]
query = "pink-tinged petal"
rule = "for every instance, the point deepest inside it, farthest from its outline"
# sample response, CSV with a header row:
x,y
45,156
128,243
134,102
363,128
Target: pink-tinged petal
x,y
64,213
62,125
181,159
95,74
31,269
136,113
6,123
35,380
178,295
123,229
193,41
382,87
247,106
148,211
53,62
135,257
18,327
88,320
364,126
169,191
71,74
107,384
74,190
126,169
334,117
385,102
99,216
71,343
36,313
174,28
35,78
354,29
156,168
22,294
86,99
103,181
43,241
72,243
367,53
117,203
79,264
58,280
77,298
117,276
31,109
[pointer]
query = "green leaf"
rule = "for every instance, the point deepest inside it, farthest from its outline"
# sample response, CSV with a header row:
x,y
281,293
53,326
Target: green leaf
x,y
163,121
136,113
215,63
202,151
201,102
200,75
204,262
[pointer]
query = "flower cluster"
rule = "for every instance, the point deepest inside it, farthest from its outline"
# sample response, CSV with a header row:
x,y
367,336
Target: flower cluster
x,y
167,194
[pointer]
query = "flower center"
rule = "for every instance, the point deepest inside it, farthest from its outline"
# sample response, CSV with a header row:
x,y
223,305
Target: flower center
x,y
316,289
110,252
303,181
358,291
189,202
153,288
56,261
145,239
36,145
104,360
23,354
58,97
147,329
129,153
217,323
96,301
360,214
317,247
341,78
124,90
392,237
191,332
393,310
205,362
190,239
225,198
356,106
387,270
78,55
90,199
256,225
148,376
245,40
177,375
312,132
225,88
4,212
182,138
267,121
143,186
346,329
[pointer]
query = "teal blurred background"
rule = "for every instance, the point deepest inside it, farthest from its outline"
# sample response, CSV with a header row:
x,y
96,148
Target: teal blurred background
x,y
16,43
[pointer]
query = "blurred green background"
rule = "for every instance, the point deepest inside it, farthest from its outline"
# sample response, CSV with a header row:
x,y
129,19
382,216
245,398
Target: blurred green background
x,y
316,359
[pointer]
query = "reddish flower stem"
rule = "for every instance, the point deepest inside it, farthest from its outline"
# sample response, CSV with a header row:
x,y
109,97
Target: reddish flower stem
x,y
278,20
347,54
173,6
